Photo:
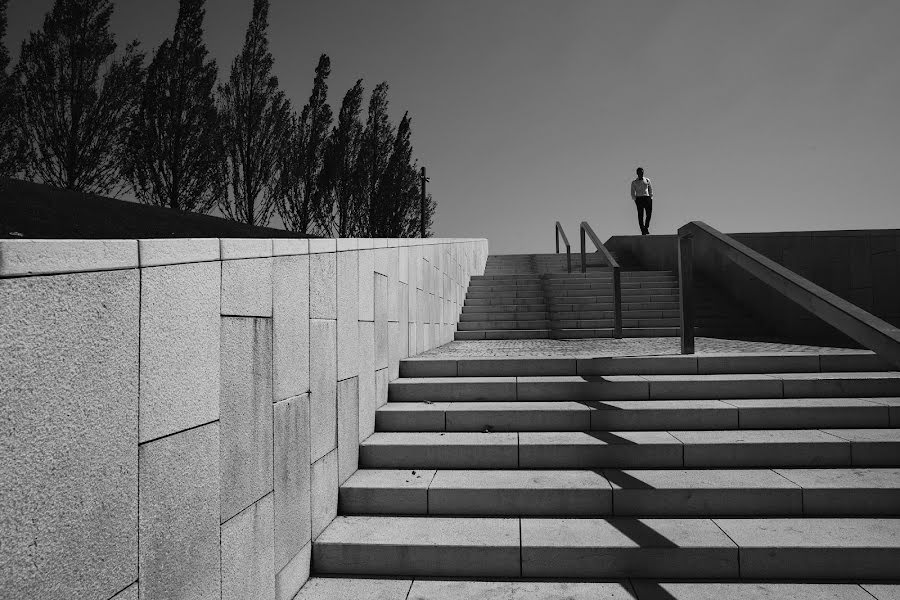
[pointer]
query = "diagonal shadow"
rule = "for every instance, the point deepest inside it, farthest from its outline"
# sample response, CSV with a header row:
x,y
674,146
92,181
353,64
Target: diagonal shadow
x,y
610,438
641,533
624,480
651,590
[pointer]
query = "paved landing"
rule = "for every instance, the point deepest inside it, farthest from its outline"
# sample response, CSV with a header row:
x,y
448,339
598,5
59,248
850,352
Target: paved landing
x,y
610,347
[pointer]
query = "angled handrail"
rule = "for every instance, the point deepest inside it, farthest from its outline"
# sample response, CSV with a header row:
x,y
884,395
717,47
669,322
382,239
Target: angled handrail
x,y
560,232
871,332
617,274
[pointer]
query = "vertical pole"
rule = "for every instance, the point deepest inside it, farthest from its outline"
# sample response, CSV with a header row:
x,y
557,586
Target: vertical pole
x,y
568,258
583,260
422,206
686,290
556,232
617,302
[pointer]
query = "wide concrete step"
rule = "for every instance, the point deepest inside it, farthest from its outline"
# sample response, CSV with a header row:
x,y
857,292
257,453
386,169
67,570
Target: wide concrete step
x,y
611,492
514,293
632,449
626,306
506,301
539,323
674,364
647,387
635,415
608,322
504,308
602,293
494,316
607,300
685,548
609,313
367,588
504,334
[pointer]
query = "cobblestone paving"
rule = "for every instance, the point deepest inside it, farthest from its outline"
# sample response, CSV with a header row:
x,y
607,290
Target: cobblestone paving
x,y
610,347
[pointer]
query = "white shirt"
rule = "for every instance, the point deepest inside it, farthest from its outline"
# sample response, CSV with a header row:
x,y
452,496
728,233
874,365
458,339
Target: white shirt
x,y
641,187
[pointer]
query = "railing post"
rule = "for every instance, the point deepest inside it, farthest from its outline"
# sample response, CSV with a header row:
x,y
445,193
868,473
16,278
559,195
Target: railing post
x,y
569,258
686,290
583,260
617,302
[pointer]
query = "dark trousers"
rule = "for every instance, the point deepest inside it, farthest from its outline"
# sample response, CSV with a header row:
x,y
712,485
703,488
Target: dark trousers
x,y
644,205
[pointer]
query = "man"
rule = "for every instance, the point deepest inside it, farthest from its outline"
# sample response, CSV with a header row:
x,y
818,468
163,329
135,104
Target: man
x,y
642,194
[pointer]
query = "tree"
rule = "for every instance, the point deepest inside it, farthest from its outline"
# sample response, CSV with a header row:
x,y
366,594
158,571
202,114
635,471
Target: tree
x,y
377,143
74,119
173,156
340,173
11,147
303,191
256,121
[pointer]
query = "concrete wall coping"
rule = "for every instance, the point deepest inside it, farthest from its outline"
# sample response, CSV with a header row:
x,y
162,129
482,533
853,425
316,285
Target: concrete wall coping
x,y
29,257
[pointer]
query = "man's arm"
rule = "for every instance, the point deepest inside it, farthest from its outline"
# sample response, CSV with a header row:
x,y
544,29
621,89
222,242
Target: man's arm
x,y
633,196
649,188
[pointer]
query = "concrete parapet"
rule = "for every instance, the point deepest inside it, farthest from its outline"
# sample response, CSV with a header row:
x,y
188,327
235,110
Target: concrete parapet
x,y
233,378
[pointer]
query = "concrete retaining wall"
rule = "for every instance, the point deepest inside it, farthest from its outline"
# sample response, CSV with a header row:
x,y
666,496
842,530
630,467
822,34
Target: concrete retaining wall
x,y
177,415
863,267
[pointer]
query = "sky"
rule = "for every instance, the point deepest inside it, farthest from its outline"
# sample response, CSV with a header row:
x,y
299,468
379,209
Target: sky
x,y
771,115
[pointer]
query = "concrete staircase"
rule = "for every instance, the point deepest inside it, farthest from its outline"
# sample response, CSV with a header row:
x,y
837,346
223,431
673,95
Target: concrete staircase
x,y
719,467
534,297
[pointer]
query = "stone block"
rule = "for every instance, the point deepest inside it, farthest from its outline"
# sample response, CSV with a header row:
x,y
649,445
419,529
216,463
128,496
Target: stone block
x,y
348,427
323,285
129,593
292,475
167,251
237,248
436,450
395,349
324,482
247,287
381,387
289,247
367,396
359,589
436,589
48,257
586,450
381,322
179,348
290,326
319,246
323,387
347,315
403,274
179,515
68,474
291,578
245,413
415,416
656,590
366,260
248,553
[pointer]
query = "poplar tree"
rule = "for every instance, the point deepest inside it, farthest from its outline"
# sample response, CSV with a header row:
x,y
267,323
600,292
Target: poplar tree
x,y
256,121
341,154
11,148
173,156
377,143
76,101
302,198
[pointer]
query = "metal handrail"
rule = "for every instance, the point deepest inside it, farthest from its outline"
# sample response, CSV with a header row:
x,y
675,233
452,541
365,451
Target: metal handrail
x,y
871,332
617,274
560,232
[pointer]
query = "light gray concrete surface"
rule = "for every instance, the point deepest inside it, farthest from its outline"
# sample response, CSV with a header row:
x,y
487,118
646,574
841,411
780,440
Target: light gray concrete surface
x,y
860,548
321,588
662,414
48,257
810,413
366,260
323,387
69,373
289,247
237,248
623,547
248,553
347,315
656,590
848,491
439,451
382,343
425,589
179,515
517,416
367,399
168,251
292,478
420,545
412,416
767,448
291,578
455,389
348,427
129,593
247,287
323,286
599,449
324,486
524,492
290,326
381,387
385,491
245,413
883,591
179,348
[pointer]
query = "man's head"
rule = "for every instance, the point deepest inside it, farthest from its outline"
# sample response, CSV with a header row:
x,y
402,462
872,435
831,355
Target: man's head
x,y
640,172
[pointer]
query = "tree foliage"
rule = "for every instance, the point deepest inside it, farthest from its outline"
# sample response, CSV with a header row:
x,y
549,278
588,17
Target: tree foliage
x,y
11,148
255,125
173,156
372,161
344,203
76,101
304,184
